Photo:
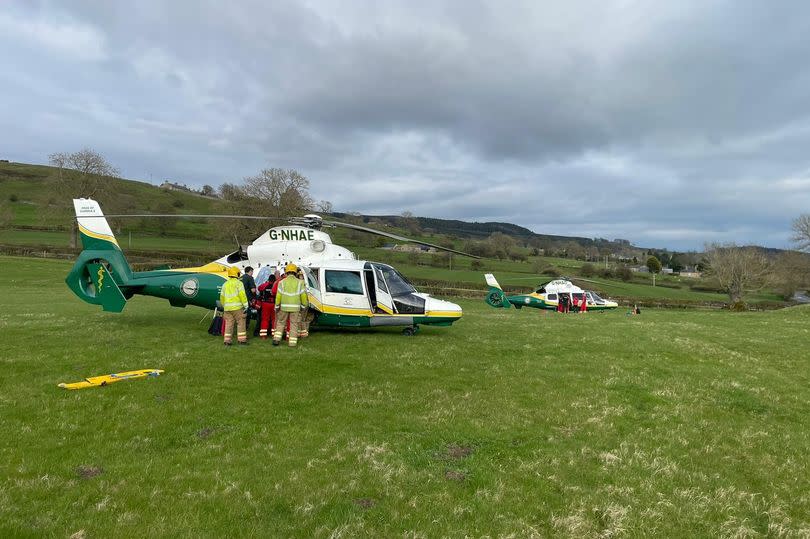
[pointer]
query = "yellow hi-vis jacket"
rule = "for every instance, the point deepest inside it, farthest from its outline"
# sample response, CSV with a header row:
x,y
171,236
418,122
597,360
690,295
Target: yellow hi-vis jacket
x,y
291,294
232,296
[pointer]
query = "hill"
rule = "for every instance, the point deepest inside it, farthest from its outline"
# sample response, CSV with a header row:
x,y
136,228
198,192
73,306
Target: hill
x,y
36,204
35,219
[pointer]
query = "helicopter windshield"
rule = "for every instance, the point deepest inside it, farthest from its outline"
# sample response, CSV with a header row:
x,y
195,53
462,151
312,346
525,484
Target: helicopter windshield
x,y
595,297
398,285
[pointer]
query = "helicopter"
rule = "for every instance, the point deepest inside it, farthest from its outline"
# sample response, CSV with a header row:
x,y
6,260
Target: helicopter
x,y
343,291
545,296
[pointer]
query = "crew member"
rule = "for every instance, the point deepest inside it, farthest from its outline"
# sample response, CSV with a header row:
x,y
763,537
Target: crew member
x,y
252,296
267,299
234,303
291,299
279,278
583,305
307,316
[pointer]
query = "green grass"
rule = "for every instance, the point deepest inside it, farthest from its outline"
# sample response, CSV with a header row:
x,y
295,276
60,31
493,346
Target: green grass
x,y
510,423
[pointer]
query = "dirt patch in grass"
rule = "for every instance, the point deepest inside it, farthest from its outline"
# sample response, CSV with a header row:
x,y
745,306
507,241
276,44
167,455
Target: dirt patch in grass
x,y
454,475
204,434
458,451
88,472
365,503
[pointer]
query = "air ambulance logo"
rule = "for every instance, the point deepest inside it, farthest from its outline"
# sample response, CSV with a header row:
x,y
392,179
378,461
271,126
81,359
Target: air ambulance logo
x,y
190,287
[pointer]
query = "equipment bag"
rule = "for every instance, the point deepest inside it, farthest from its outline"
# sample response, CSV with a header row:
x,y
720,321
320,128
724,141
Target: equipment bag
x,y
216,324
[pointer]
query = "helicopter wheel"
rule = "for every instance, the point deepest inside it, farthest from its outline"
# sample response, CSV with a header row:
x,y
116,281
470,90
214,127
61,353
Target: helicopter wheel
x,y
410,331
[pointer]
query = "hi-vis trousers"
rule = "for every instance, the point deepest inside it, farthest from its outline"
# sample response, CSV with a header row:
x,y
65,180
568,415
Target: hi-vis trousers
x,y
281,322
231,318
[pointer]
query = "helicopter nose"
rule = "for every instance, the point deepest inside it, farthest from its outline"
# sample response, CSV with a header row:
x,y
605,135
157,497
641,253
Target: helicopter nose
x,y
438,307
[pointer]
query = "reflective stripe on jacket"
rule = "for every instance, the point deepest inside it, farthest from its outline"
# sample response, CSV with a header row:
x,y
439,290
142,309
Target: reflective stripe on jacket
x,y
232,296
291,295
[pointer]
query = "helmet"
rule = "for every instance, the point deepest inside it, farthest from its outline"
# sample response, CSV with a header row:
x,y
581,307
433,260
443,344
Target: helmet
x,y
233,271
291,268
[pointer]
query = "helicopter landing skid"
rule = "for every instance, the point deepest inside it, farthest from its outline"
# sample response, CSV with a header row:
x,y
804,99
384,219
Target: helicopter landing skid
x,y
410,331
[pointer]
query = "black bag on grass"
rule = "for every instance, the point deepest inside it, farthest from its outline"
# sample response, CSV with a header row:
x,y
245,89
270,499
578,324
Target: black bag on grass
x,y
216,325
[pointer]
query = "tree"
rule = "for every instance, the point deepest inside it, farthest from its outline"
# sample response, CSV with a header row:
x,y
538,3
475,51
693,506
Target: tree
x,y
737,269
207,190
409,222
624,273
791,272
801,232
230,192
278,192
83,174
654,265
324,206
274,193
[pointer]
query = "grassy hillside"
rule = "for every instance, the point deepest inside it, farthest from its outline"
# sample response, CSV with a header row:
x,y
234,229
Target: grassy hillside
x,y
508,424
40,218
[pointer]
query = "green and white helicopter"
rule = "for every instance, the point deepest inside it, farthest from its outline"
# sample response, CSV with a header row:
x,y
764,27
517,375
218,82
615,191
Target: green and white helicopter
x,y
343,291
546,296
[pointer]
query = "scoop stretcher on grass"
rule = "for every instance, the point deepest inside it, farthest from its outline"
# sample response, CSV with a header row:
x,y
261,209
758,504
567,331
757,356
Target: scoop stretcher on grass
x,y
95,381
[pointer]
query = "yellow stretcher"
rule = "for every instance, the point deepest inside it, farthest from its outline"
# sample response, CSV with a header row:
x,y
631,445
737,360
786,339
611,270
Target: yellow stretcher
x,y
95,381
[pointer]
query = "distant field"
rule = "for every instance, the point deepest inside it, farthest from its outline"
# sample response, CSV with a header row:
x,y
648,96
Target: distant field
x,y
510,423
140,242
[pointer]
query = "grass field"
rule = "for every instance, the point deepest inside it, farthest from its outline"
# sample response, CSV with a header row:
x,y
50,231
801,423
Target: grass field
x,y
672,423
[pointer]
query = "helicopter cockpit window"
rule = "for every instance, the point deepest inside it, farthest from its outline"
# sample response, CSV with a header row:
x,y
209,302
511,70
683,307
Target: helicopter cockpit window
x,y
344,282
380,279
397,284
237,256
401,290
595,298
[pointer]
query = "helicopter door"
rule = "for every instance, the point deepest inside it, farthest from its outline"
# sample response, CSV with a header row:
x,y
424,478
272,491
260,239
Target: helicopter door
x,y
313,288
385,302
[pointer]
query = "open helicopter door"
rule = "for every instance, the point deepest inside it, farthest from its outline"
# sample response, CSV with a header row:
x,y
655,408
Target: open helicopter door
x,y
384,300
313,288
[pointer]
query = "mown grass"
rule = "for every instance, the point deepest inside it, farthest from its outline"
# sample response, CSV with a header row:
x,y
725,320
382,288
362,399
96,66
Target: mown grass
x,y
510,423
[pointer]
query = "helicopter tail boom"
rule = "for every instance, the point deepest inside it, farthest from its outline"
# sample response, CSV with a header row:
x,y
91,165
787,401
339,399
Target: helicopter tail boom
x,y
101,273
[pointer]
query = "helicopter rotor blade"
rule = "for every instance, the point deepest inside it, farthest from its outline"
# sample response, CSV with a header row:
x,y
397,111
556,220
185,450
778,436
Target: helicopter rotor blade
x,y
188,216
311,221
397,237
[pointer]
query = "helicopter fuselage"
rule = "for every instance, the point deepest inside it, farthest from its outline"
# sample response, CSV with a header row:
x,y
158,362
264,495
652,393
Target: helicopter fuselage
x,y
342,291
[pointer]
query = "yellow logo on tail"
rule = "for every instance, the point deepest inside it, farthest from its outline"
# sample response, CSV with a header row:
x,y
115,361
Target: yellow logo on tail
x,y
100,277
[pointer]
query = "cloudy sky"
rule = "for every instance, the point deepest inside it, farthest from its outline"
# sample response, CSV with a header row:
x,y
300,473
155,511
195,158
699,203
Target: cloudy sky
x,y
666,123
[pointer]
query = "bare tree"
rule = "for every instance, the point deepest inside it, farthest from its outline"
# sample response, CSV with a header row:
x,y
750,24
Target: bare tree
x,y
324,206
279,193
738,270
274,192
801,232
85,173
791,272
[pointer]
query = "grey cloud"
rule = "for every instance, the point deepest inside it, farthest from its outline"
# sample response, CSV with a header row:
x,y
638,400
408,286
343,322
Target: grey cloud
x,y
651,122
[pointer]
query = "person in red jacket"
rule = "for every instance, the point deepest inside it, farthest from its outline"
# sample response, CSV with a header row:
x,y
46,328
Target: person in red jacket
x,y
583,303
267,299
280,278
